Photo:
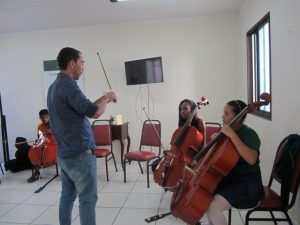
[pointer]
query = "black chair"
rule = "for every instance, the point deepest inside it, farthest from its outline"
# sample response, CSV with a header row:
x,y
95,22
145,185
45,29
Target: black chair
x,y
150,138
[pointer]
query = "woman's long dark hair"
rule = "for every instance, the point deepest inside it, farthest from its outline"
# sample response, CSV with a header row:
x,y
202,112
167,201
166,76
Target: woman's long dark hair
x,y
181,120
237,107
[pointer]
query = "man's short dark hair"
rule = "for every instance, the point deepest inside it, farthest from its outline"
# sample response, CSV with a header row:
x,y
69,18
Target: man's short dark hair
x,y
66,55
43,112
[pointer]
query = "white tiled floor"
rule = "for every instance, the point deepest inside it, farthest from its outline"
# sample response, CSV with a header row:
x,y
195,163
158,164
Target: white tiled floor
x,y
119,203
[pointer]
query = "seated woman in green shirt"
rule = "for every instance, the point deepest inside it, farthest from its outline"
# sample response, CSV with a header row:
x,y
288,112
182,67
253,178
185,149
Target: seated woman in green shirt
x,y
242,188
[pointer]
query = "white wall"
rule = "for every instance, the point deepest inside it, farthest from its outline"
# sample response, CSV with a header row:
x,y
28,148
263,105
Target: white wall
x,y
285,58
200,57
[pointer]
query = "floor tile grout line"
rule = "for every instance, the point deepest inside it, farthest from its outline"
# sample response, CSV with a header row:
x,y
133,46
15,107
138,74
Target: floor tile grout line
x,y
240,216
15,206
124,200
40,214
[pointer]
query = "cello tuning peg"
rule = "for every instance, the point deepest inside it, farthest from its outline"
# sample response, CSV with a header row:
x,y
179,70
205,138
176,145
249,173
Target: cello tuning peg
x,y
205,102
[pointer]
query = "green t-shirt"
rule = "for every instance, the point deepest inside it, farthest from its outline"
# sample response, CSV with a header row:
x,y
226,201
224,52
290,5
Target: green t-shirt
x,y
251,139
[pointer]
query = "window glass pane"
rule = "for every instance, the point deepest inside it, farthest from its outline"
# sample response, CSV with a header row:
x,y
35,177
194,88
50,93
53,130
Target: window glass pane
x,y
264,62
254,86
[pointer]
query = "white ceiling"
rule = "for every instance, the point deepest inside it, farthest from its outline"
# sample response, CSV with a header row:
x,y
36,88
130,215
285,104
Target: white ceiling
x,y
28,15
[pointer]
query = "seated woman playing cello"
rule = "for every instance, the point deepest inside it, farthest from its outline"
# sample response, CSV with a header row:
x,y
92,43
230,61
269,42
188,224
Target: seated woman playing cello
x,y
45,139
242,188
186,141
186,106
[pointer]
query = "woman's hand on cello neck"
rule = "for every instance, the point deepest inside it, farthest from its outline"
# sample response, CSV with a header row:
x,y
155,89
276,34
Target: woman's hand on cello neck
x,y
228,131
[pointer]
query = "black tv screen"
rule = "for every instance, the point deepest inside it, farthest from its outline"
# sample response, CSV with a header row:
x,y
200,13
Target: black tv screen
x,y
144,71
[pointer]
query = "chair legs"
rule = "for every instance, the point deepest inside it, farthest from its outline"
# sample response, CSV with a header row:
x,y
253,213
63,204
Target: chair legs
x,y
106,167
229,217
124,169
148,182
149,165
106,164
273,218
288,218
1,168
141,167
113,156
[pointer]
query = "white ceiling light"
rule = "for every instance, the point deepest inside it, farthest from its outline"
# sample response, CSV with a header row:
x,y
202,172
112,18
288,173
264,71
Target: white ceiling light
x,y
118,0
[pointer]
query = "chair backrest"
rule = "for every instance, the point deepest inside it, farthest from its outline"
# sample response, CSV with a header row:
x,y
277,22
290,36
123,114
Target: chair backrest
x,y
211,128
295,171
278,155
294,186
102,132
151,136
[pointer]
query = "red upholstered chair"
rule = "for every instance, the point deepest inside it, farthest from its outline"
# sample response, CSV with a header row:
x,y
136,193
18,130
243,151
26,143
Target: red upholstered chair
x,y
211,128
149,139
104,149
273,201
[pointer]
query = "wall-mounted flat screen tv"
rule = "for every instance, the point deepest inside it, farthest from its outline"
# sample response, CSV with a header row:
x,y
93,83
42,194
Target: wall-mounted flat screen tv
x,y
144,71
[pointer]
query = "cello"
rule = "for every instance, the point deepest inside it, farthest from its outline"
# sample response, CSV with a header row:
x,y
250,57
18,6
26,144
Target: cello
x,y
196,189
44,151
185,142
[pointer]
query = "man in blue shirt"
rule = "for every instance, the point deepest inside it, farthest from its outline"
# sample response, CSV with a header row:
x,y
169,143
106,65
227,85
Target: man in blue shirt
x,y
69,111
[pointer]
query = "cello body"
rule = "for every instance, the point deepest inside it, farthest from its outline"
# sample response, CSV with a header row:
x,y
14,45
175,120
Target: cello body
x,y
44,153
170,169
192,198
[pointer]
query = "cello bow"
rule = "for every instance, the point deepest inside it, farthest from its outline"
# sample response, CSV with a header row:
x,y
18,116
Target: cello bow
x,y
105,74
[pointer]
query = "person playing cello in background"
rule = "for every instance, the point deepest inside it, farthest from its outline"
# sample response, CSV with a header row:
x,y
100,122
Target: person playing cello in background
x,y
43,131
44,125
186,106
242,188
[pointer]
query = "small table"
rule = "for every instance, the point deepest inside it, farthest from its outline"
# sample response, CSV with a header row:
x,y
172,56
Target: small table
x,y
120,132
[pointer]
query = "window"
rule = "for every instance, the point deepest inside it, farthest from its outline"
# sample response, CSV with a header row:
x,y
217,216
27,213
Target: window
x,y
259,64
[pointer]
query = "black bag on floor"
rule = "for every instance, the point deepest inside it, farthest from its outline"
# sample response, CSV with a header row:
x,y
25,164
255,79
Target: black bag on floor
x,y
21,162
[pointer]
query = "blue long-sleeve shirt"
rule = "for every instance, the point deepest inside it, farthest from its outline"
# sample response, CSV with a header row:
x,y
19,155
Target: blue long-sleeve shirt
x,y
69,110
